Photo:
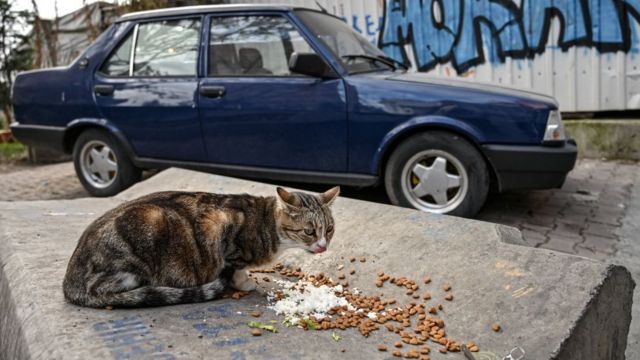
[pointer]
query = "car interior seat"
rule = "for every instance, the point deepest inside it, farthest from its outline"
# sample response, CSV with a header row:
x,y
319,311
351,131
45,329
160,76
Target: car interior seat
x,y
250,61
223,60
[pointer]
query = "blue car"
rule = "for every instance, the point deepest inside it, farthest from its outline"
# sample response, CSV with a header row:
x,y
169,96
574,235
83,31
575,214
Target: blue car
x,y
285,93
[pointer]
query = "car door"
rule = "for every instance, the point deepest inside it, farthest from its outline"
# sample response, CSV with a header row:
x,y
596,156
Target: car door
x,y
255,112
148,87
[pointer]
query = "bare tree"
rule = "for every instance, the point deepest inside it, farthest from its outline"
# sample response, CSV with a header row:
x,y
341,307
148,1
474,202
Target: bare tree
x,y
15,52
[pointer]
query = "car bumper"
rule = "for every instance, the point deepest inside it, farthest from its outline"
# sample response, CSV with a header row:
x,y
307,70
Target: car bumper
x,y
531,167
38,136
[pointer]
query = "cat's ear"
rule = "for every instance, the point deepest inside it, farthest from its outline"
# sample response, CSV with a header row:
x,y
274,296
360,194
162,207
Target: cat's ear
x,y
329,196
287,199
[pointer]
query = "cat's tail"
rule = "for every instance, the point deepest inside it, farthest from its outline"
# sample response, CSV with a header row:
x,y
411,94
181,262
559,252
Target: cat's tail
x,y
154,296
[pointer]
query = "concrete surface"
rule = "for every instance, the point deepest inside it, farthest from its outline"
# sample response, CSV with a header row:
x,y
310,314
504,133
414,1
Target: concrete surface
x,y
551,304
628,254
606,138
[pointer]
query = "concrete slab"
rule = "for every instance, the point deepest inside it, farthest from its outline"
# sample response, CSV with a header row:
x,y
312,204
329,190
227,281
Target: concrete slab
x,y
551,304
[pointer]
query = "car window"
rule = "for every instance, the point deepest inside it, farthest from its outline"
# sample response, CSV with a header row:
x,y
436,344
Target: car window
x,y
253,46
167,48
343,41
118,62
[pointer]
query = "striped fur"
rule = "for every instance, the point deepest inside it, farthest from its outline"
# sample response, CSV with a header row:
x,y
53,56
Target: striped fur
x,y
179,247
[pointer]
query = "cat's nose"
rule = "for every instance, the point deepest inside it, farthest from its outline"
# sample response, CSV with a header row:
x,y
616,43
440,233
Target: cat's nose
x,y
320,249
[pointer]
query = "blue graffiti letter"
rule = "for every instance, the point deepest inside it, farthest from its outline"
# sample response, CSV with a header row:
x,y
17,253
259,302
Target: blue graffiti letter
x,y
430,26
536,17
501,19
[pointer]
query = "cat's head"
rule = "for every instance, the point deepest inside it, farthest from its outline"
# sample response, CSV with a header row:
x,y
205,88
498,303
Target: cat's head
x,y
305,220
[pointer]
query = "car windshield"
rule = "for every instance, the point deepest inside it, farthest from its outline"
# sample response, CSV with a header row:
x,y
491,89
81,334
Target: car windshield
x,y
355,52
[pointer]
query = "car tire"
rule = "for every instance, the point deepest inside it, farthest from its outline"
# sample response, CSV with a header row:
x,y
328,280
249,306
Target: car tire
x,y
456,173
102,165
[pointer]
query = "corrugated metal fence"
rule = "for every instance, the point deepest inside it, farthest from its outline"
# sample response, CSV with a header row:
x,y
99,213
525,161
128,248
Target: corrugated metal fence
x,y
583,52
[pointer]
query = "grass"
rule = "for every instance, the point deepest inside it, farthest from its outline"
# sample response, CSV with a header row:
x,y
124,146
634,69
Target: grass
x,y
12,152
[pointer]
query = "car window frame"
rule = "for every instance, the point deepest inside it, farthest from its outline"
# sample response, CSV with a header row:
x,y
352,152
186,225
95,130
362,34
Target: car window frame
x,y
133,31
286,15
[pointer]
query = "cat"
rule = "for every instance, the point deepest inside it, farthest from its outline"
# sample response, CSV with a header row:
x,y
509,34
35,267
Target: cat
x,y
183,247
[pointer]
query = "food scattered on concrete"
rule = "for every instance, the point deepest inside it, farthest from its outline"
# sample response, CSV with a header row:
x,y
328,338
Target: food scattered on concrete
x,y
495,327
256,332
256,313
316,302
259,325
335,336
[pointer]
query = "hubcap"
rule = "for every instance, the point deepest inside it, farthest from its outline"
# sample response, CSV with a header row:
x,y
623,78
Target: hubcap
x,y
434,181
99,164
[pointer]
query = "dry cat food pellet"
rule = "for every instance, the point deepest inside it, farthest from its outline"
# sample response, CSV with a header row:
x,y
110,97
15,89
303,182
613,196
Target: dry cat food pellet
x,y
426,296
446,287
256,313
427,280
495,327
382,348
256,332
443,350
397,353
341,276
352,259
449,297
352,271
363,259
398,344
424,350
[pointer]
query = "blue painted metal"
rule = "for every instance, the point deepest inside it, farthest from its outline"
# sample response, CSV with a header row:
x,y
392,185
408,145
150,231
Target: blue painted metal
x,y
344,125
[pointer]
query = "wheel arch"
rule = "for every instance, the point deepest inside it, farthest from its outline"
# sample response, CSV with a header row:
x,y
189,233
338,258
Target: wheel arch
x,y
420,125
78,126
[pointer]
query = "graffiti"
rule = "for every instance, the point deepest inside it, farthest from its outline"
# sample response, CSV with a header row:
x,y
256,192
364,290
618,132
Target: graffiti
x,y
467,33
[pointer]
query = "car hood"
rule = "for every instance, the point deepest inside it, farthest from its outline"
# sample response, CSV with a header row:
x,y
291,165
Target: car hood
x,y
464,84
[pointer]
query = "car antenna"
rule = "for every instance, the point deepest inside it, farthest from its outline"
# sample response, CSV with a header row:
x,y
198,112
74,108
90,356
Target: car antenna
x,y
322,8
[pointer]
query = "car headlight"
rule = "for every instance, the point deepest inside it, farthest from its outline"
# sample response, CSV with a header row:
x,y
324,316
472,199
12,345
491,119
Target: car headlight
x,y
555,130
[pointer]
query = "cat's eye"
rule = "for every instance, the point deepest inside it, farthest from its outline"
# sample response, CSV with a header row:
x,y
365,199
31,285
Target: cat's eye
x,y
309,231
330,229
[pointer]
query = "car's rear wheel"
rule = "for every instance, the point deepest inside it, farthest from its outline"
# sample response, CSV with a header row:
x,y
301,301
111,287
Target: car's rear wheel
x,y
437,172
102,165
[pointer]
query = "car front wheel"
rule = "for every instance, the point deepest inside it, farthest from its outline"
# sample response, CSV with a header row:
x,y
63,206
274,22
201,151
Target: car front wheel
x,y
102,165
437,172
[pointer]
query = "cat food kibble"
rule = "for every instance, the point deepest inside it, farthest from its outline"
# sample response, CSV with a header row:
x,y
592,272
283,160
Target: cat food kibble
x,y
495,327
256,332
316,302
256,313
363,259
352,259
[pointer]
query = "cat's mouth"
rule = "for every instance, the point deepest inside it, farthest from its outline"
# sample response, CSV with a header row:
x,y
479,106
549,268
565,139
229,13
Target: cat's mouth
x,y
317,249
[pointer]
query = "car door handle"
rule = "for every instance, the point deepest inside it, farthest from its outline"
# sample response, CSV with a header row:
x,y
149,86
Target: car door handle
x,y
212,91
104,90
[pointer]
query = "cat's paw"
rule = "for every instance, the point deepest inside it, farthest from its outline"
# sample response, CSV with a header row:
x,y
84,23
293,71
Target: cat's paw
x,y
247,285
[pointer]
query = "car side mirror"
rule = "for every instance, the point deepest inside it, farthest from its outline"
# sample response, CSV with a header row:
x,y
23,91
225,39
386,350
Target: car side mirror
x,y
310,64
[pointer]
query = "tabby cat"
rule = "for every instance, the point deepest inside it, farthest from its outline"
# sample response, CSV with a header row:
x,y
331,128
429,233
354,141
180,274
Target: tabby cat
x,y
182,247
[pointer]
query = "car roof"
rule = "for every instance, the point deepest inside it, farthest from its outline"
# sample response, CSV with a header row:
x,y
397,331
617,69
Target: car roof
x,y
200,9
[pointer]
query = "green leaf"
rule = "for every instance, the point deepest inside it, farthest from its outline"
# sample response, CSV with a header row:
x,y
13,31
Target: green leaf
x,y
310,324
335,336
259,325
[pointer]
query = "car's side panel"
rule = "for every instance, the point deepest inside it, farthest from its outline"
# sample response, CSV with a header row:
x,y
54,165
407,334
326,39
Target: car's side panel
x,y
158,116
380,109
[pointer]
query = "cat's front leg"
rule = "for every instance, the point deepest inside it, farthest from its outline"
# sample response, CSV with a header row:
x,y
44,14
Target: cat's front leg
x,y
240,281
